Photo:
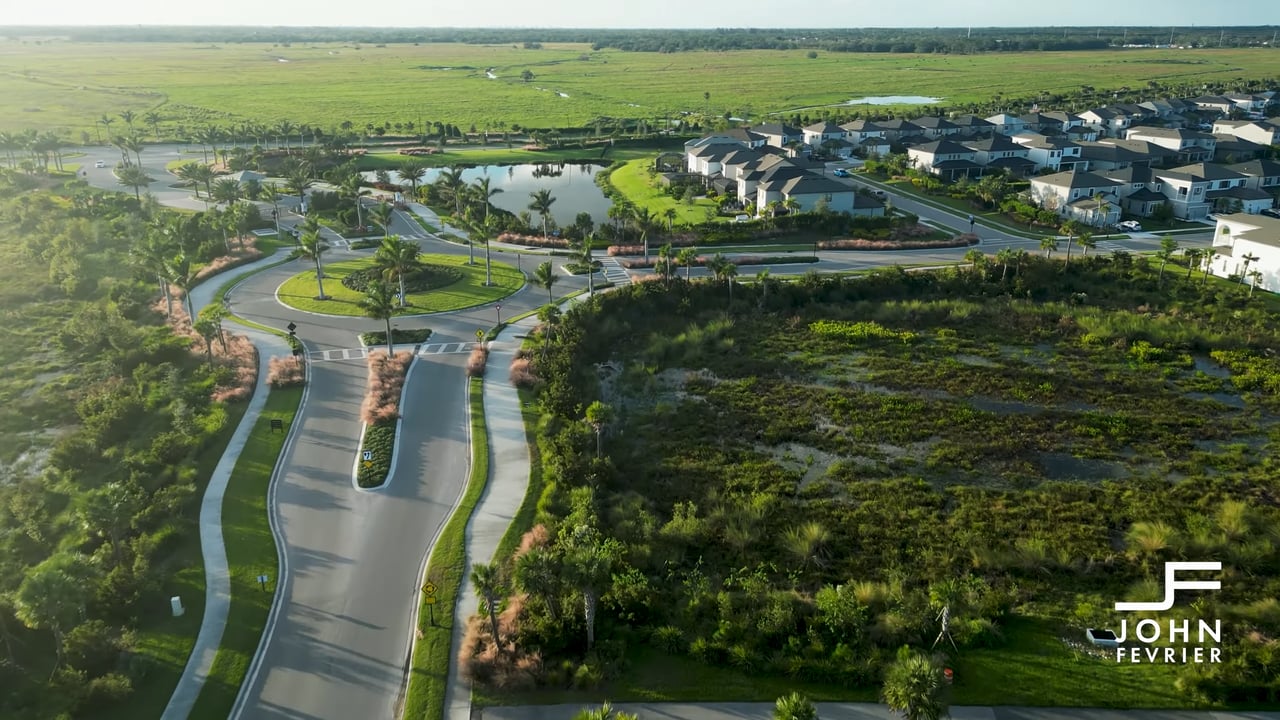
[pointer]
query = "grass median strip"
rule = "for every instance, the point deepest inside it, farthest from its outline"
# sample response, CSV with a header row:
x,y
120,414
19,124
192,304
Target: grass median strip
x,y
433,650
251,551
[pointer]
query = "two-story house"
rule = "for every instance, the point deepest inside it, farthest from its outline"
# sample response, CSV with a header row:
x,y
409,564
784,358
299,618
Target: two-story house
x,y
1193,190
973,125
1244,244
1255,132
1000,151
858,130
945,158
779,135
1055,153
934,127
1260,174
818,134
1138,189
1191,145
1214,103
897,129
1109,121
1007,124
1084,196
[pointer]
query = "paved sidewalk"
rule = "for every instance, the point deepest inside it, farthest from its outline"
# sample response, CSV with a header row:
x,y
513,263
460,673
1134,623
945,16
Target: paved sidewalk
x,y
857,711
503,494
202,294
431,218
216,575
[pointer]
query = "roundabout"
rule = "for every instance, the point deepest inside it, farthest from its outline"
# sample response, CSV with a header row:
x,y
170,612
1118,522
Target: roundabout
x,y
444,283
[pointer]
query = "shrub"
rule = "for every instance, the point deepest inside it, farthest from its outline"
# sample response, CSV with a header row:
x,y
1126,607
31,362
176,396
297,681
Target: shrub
x,y
476,362
522,374
855,331
398,337
424,278
736,260
670,639
379,441
283,372
533,240
963,240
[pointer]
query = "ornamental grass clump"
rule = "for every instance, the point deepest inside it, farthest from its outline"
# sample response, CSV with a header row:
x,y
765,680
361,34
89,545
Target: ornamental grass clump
x,y
386,381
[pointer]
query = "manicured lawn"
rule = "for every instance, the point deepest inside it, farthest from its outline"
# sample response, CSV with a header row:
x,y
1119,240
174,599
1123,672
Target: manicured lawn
x,y
633,181
433,650
251,551
300,290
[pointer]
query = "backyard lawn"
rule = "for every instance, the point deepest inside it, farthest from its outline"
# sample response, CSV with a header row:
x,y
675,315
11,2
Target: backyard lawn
x,y
633,181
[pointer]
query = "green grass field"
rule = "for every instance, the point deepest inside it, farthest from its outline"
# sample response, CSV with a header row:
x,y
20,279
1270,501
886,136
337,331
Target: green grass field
x,y
251,551
500,155
68,86
633,181
300,290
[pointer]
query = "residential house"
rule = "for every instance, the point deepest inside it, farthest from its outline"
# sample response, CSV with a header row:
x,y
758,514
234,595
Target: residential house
x,y
895,130
745,136
1064,120
1164,108
1191,145
945,158
1007,124
769,168
779,135
1109,121
934,127
1041,123
859,130
1244,244
705,160
1000,151
1084,196
1111,156
808,190
1260,174
866,206
1196,190
1082,133
1255,132
1055,153
1138,189
732,164
1215,103
870,146
1231,149
973,125
818,134
1247,102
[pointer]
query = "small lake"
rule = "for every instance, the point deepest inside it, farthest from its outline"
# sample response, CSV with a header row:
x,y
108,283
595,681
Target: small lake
x,y
573,187
893,100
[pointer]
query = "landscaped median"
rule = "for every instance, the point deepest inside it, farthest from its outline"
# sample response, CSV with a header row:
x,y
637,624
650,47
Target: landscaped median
x,y
445,282
433,645
381,415
251,552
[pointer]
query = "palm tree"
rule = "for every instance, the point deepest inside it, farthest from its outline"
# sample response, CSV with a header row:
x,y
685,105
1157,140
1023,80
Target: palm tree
x,y
285,128
153,119
151,254
381,214
1254,277
1004,256
1168,246
179,272
598,416
665,259
1099,200
298,180
975,257
724,270
915,687
1048,244
643,220
548,315
106,121
190,172
794,707
271,193
413,171
352,189
134,145
687,257
398,257
134,177
670,215
1086,242
454,187
483,232
484,193
1247,258
488,585
541,204
312,247
1193,256
1209,257
227,191
791,205
378,304
545,277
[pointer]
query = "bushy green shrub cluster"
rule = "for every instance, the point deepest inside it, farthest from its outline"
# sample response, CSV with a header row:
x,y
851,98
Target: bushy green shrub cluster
x,y
422,279
858,331
399,336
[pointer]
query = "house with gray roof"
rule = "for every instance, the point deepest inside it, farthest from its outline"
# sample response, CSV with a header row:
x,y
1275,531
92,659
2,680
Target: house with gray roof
x,y
779,135
1084,196
1001,152
1247,244
1200,188
945,158
1055,153
1191,145
817,134
1253,131
1260,174
934,127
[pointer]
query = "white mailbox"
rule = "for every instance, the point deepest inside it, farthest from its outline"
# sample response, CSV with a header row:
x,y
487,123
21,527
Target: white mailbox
x,y
176,603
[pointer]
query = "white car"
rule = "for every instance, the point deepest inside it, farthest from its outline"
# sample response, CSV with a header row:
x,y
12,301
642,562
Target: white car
x,y
1130,226
100,164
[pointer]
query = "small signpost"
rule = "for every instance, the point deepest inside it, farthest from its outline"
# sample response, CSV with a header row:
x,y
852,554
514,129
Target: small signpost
x,y
262,582
277,424
368,455
430,591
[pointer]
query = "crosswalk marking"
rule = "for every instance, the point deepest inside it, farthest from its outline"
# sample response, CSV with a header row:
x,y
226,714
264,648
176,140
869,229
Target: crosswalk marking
x,y
361,353
613,271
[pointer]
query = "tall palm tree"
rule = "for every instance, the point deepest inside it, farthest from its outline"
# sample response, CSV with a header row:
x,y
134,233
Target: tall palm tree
x,y
284,129
227,191
1193,256
1248,259
351,188
271,193
541,204
975,257
398,257
381,214
485,193
1168,246
181,273
670,215
312,247
488,585
915,687
298,180
106,121
483,232
643,220
599,415
153,119
151,254
1086,242
1048,244
545,277
412,171
134,177
378,304
1254,276
687,257
454,187
134,145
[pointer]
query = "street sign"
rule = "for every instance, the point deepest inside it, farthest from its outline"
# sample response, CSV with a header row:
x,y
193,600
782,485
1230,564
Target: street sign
x,y
429,588
368,455
291,327
430,600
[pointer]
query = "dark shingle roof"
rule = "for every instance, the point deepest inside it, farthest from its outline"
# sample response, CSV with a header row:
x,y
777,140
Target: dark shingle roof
x,y
1075,180
1257,168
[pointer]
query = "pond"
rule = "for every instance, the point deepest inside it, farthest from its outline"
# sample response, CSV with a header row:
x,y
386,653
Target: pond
x,y
572,186
893,100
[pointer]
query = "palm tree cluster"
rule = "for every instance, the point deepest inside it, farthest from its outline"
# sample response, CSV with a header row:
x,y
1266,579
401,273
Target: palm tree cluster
x,y
41,149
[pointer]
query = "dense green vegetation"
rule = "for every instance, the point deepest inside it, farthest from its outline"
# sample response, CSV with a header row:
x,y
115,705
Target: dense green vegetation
x,y
111,422
795,483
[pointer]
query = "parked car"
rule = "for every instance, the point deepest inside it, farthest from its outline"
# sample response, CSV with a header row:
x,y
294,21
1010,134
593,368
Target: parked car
x,y
100,164
1130,226
840,172
1271,212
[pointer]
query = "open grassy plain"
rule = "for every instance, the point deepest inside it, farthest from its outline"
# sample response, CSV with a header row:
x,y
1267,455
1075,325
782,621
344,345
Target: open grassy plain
x,y
68,86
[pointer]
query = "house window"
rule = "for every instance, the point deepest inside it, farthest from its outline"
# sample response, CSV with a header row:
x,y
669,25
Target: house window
x,y
1182,192
1198,191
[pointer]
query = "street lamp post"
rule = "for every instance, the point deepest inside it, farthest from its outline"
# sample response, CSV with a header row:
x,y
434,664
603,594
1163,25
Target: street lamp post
x,y
499,309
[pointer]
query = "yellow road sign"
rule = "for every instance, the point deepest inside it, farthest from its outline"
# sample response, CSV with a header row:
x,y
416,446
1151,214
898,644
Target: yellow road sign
x,y
430,600
429,588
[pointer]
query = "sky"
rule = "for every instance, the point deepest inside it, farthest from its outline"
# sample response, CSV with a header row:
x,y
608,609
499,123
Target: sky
x,y
636,13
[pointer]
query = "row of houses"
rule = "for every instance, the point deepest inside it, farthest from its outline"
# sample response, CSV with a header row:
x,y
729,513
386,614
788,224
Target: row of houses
x,y
741,163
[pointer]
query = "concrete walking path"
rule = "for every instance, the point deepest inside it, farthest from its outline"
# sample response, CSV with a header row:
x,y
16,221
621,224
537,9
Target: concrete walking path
x,y
430,217
857,711
217,577
503,494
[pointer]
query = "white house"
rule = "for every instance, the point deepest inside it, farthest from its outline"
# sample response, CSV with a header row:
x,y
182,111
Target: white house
x,y
1055,153
818,133
808,190
1244,244
1000,151
1191,145
1248,130
1109,121
1196,190
1007,124
1260,174
779,135
945,158
1087,197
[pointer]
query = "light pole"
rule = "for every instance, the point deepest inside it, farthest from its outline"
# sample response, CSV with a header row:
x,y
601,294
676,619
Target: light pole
x,y
499,309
